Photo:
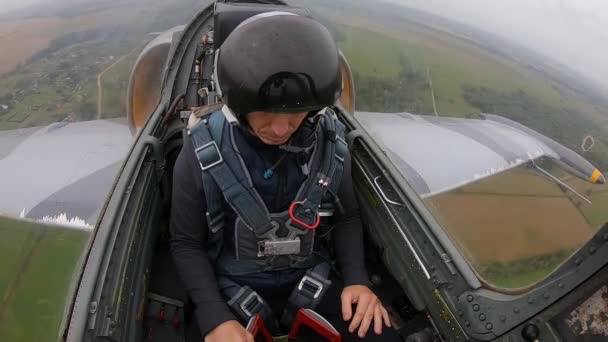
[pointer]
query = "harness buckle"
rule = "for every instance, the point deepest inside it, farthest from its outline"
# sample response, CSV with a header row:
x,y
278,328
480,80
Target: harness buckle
x,y
245,303
209,155
341,148
278,247
313,283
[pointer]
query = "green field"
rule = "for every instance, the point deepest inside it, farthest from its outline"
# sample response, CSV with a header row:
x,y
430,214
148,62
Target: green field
x,y
375,51
115,83
522,273
39,264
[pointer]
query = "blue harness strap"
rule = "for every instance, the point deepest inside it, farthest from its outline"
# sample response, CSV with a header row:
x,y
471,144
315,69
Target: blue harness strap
x,y
219,177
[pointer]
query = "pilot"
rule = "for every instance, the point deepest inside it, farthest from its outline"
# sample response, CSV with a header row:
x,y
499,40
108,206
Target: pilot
x,y
255,186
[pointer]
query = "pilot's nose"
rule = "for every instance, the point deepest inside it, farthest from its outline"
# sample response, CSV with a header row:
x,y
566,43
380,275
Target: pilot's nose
x,y
280,125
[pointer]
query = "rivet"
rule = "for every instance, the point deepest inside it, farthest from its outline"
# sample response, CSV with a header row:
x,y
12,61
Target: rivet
x,y
560,285
503,318
467,323
605,236
516,310
476,307
546,296
482,317
592,250
578,262
470,298
93,307
489,326
530,300
460,313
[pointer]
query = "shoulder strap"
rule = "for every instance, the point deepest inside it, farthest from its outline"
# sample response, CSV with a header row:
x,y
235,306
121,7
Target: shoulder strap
x,y
326,171
221,176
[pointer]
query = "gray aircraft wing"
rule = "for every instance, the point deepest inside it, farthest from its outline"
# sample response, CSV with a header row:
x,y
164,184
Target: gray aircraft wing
x,y
62,172
438,154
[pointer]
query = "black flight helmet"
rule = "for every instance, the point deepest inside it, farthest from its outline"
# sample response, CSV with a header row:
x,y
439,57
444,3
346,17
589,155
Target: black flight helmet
x,y
278,62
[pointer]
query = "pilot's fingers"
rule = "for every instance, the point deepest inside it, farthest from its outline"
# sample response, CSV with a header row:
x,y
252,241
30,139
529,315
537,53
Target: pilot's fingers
x,y
368,316
387,320
362,304
249,337
378,316
347,302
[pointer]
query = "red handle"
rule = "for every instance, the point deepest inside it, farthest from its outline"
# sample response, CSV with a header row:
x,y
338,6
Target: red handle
x,y
257,327
304,224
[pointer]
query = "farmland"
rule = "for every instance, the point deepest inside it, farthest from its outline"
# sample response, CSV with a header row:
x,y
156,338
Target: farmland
x,y
50,71
518,226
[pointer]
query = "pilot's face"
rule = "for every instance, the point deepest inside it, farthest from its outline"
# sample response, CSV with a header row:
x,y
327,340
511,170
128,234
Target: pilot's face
x,y
274,128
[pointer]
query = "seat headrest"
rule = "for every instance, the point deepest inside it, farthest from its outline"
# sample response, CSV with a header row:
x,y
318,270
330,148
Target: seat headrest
x,y
229,15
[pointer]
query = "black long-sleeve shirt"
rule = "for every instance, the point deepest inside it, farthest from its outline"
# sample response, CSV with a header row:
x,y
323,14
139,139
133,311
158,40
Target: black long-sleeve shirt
x,y
189,232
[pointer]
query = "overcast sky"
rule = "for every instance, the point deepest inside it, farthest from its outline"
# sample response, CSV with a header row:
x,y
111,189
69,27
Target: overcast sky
x,y
574,32
9,5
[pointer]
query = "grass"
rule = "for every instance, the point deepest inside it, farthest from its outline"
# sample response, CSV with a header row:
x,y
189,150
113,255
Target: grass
x,y
114,85
38,263
522,273
373,54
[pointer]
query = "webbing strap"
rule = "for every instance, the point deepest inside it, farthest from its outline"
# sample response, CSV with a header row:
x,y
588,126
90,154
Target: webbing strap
x,y
328,166
340,155
205,136
308,293
246,303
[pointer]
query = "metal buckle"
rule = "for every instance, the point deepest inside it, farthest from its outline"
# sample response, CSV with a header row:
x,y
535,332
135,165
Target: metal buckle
x,y
280,246
246,301
315,282
217,150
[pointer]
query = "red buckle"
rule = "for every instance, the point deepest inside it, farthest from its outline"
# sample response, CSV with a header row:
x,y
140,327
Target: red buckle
x,y
311,319
304,224
257,327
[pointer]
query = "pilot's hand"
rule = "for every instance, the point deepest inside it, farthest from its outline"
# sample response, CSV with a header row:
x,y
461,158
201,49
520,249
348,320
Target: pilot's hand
x,y
229,331
368,308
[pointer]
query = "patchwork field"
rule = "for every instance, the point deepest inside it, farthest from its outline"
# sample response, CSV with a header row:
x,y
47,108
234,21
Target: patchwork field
x,y
518,226
50,70
28,36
